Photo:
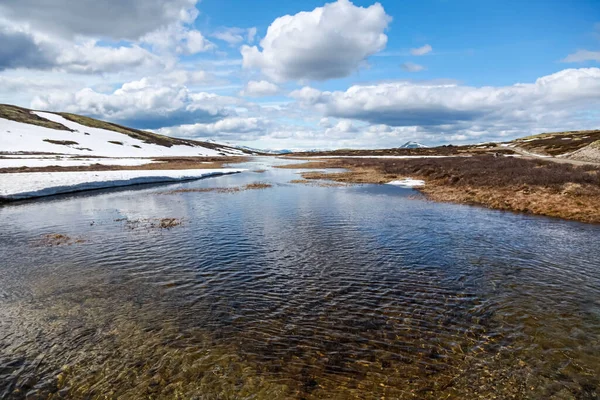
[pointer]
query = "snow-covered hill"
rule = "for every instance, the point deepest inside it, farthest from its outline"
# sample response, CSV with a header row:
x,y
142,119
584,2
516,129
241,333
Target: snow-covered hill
x,y
413,145
27,131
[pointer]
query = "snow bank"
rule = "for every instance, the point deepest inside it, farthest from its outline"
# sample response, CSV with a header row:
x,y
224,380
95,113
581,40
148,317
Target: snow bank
x,y
21,137
408,182
38,184
32,162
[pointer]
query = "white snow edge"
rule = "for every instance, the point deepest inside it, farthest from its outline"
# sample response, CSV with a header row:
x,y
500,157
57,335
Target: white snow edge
x,y
408,182
18,186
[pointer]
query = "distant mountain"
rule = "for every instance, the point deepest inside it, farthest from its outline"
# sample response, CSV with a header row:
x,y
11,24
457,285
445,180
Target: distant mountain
x,y
265,151
413,145
28,131
252,150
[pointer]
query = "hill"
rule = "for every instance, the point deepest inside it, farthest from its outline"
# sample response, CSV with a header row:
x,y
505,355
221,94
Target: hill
x,y
24,131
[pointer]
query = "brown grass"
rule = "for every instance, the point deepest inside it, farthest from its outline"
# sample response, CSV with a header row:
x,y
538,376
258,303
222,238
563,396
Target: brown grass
x,y
168,223
58,239
151,223
23,115
165,163
258,186
232,189
318,183
448,150
61,142
505,183
558,143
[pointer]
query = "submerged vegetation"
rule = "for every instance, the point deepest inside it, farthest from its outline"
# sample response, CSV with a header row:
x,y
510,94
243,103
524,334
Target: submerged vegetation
x,y
58,239
232,189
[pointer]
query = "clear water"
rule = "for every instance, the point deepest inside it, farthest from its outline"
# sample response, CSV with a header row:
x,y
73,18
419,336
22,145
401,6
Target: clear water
x,y
294,292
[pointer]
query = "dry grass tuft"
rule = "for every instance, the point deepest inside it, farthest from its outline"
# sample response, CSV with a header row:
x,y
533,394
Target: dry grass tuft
x,y
259,171
62,142
151,223
58,239
168,223
257,186
318,183
232,189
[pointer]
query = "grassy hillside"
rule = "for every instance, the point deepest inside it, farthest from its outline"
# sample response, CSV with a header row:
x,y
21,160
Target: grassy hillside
x,y
19,114
558,143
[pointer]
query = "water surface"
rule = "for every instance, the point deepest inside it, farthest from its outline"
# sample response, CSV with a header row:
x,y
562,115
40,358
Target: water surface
x,y
294,292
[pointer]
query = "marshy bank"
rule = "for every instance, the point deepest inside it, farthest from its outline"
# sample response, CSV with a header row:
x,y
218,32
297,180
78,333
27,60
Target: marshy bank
x,y
504,183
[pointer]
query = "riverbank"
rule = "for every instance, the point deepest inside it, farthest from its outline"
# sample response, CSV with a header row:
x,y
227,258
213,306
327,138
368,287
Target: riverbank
x,y
504,183
20,186
65,163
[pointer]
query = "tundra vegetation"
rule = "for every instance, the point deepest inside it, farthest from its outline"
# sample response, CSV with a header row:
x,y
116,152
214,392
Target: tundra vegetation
x,y
506,183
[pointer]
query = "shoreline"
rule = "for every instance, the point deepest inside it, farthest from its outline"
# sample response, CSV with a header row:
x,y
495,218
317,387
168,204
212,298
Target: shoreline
x,y
19,186
535,187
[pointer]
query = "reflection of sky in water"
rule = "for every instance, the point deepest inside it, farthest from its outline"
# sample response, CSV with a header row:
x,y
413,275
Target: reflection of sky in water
x,y
319,288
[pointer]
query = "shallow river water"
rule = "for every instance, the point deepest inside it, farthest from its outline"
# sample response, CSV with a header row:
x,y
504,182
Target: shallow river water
x,y
294,292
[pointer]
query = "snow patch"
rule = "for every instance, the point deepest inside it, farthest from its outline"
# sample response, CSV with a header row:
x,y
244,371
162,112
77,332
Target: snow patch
x,y
18,162
18,137
408,182
38,184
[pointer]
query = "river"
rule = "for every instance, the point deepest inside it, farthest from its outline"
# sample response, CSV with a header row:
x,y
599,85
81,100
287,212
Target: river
x,y
294,292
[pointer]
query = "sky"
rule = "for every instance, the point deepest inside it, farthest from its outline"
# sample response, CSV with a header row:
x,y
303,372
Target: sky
x,y
306,74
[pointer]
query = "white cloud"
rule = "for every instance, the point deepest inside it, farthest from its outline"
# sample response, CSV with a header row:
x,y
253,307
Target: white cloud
x,y
146,103
421,51
551,100
116,19
235,35
90,58
328,42
582,56
260,89
183,77
411,67
178,39
242,128
251,35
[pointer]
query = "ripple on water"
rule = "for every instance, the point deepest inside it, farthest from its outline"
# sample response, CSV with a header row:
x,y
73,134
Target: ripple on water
x,y
296,292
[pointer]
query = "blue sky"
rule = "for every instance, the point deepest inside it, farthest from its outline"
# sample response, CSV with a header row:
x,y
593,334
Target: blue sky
x,y
309,74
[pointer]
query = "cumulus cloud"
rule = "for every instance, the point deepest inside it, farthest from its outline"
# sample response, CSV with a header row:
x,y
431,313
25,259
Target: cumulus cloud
x,y
90,58
178,39
582,56
241,128
144,104
116,19
421,51
399,104
259,89
411,67
328,42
